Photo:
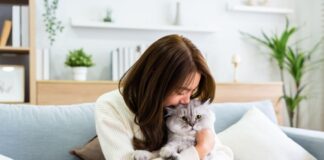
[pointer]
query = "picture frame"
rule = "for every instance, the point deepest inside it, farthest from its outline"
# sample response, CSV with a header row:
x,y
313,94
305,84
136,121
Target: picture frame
x,y
12,83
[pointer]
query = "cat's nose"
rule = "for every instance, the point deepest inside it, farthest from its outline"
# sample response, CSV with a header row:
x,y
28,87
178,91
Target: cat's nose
x,y
191,124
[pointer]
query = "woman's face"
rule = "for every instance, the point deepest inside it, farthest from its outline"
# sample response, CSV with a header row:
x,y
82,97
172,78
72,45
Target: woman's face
x,y
182,94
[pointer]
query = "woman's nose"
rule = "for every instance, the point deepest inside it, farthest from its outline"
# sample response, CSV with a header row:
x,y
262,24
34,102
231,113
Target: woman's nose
x,y
185,100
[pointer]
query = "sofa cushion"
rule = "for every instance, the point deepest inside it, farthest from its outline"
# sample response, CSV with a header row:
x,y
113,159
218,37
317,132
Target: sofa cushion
x,y
255,137
90,151
30,132
229,113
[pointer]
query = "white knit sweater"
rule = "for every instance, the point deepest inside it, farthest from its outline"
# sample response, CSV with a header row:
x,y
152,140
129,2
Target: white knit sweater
x,y
116,128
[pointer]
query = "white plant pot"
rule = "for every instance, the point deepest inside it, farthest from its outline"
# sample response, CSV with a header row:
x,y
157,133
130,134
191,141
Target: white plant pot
x,y
80,73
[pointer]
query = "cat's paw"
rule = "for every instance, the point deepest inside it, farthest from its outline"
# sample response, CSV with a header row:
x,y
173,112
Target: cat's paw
x,y
142,155
169,154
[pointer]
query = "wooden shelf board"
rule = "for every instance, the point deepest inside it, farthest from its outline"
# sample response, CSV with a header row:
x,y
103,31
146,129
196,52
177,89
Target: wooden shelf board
x,y
17,50
15,103
20,2
77,82
116,82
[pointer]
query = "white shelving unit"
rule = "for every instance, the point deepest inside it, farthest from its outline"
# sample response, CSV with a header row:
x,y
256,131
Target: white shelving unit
x,y
104,25
260,9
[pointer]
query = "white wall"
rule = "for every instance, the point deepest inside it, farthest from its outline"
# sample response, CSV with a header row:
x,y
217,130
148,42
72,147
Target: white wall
x,y
219,47
312,111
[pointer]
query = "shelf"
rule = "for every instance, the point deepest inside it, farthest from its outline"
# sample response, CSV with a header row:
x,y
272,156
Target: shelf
x,y
16,50
71,92
260,9
78,82
20,2
22,103
104,25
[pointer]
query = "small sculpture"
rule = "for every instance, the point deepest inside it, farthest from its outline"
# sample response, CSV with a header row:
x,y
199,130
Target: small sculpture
x,y
108,17
235,61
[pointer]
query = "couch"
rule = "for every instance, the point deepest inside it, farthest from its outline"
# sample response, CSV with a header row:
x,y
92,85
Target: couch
x,y
29,132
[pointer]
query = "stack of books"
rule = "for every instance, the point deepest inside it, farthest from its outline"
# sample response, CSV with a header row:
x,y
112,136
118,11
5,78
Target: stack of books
x,y
122,58
18,26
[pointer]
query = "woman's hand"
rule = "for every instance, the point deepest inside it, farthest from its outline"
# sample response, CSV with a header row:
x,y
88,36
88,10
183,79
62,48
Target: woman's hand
x,y
205,139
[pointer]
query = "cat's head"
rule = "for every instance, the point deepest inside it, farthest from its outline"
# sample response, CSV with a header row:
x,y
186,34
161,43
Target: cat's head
x,y
188,119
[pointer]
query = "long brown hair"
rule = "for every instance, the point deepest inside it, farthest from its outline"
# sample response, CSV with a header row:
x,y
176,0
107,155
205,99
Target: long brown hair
x,y
164,67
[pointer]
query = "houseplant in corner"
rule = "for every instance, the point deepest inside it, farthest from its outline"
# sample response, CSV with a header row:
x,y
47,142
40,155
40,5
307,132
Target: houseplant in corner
x,y
295,63
79,61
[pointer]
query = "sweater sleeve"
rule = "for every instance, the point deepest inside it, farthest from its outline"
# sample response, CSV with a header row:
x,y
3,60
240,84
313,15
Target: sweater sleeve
x,y
220,152
187,154
114,138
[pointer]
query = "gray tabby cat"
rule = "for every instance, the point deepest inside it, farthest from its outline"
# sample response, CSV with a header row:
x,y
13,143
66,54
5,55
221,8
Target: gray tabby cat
x,y
183,122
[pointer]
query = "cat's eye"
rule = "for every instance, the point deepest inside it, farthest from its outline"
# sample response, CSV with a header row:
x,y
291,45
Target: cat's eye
x,y
198,116
184,118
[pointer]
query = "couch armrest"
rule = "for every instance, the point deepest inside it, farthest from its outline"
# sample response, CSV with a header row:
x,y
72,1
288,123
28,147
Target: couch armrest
x,y
312,141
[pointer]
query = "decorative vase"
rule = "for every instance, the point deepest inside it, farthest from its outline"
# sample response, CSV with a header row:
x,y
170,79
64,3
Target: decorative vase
x,y
235,61
80,73
108,17
43,58
177,19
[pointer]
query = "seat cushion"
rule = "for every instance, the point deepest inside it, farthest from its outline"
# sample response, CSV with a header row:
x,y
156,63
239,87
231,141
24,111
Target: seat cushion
x,y
30,132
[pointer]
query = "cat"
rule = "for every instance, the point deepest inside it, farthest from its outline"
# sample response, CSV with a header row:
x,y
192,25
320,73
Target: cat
x,y
183,122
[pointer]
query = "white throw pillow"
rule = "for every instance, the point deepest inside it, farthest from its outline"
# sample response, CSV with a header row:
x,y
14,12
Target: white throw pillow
x,y
2,157
255,137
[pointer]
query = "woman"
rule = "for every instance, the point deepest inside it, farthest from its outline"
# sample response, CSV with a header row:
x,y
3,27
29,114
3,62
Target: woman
x,y
130,120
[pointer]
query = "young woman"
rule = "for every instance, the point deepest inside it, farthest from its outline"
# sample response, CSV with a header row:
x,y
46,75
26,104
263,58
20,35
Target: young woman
x,y
130,120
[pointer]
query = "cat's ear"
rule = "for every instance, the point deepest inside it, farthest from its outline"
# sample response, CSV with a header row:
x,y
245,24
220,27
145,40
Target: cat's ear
x,y
195,102
169,111
206,103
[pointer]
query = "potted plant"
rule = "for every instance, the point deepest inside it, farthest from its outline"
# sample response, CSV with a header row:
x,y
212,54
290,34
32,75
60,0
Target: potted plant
x,y
53,26
79,61
295,62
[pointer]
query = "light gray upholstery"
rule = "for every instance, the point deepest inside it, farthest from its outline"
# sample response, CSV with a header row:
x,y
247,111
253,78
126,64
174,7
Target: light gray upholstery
x,y
30,132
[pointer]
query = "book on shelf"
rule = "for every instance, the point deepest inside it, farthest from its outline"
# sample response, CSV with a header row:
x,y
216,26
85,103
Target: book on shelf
x,y
20,26
24,26
114,64
5,33
122,58
120,62
15,35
